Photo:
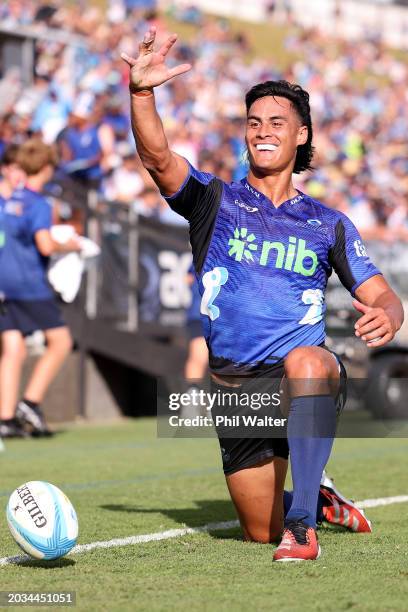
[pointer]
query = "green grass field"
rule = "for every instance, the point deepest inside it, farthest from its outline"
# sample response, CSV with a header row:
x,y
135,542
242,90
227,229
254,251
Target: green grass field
x,y
124,481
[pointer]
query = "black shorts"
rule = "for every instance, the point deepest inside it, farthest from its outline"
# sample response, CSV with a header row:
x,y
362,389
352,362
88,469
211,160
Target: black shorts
x,y
240,453
28,316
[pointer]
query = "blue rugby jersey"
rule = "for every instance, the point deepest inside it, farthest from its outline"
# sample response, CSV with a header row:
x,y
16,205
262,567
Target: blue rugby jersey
x,y
263,270
23,270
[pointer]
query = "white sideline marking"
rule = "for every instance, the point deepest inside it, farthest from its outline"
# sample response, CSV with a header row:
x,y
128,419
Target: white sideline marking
x,y
139,539
175,533
382,501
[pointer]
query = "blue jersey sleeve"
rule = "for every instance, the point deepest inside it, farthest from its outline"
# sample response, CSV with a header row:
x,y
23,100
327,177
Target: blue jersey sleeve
x,y
40,215
196,193
198,201
348,256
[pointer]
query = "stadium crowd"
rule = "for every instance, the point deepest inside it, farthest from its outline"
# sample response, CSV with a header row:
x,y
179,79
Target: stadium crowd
x,y
358,98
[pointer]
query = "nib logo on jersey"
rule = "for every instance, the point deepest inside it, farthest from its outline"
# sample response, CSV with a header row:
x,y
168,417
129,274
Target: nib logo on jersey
x,y
293,256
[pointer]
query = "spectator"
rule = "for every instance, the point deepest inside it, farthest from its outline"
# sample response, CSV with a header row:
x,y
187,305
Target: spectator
x,y
124,183
117,118
80,144
50,116
361,122
28,302
12,175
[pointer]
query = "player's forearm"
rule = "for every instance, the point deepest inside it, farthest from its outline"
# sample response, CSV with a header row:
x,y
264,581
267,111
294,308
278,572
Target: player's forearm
x,y
47,246
390,302
148,131
66,247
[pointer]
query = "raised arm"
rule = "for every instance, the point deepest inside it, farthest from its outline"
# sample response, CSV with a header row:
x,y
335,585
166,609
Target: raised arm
x,y
147,71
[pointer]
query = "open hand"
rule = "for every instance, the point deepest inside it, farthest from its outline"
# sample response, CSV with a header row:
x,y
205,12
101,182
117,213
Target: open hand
x,y
375,327
149,69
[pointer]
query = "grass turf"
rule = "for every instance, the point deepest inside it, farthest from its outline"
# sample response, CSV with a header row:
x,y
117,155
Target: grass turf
x,y
123,481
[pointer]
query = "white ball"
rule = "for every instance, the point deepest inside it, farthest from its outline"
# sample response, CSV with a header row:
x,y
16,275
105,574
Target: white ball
x,y
42,520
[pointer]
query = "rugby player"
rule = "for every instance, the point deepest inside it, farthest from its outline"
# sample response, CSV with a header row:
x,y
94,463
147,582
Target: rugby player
x,y
263,252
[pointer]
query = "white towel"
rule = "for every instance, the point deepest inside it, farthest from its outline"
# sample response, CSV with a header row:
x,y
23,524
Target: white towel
x,y
66,269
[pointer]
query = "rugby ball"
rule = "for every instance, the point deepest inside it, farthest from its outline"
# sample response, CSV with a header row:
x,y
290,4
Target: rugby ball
x,y
42,520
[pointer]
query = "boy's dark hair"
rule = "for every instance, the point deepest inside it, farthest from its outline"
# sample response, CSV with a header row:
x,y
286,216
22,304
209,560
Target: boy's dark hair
x,y
10,155
300,101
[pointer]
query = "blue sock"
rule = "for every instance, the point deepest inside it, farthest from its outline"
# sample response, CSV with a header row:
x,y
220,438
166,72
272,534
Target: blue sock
x,y
287,502
311,429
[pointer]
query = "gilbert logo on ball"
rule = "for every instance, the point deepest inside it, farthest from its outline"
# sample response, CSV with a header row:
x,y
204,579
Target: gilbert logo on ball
x,y
42,520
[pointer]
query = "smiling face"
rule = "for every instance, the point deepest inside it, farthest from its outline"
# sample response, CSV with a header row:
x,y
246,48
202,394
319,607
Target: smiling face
x,y
273,133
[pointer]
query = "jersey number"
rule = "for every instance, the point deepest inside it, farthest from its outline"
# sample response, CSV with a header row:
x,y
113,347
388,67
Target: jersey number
x,y
212,281
315,298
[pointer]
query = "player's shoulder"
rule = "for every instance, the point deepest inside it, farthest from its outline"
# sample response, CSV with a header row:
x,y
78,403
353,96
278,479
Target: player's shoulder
x,y
324,212
203,177
32,200
198,189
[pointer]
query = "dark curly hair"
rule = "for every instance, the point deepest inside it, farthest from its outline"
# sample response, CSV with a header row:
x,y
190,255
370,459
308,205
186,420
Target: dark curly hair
x,y
300,101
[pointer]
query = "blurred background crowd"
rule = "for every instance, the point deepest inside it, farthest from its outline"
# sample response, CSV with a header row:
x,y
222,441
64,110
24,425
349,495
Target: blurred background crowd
x,y
79,100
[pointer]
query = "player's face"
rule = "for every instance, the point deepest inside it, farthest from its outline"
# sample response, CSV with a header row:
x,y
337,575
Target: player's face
x,y
273,133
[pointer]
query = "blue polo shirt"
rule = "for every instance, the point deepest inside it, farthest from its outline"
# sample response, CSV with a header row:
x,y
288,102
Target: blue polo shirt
x,y
23,270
